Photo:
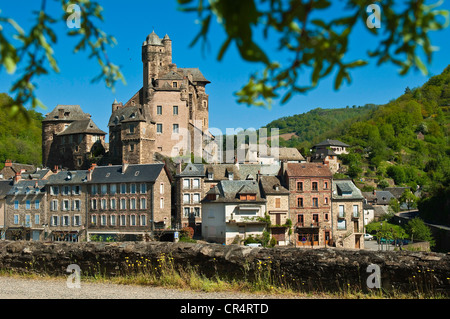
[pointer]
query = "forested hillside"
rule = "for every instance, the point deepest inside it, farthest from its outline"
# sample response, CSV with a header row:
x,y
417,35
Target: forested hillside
x,y
405,142
20,140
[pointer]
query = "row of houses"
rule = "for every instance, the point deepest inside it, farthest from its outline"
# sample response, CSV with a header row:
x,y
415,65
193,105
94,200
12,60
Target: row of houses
x,y
294,201
125,201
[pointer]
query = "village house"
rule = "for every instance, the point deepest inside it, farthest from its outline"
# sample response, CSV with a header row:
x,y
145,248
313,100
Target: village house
x,y
347,208
5,186
67,211
277,206
309,186
233,210
129,202
25,207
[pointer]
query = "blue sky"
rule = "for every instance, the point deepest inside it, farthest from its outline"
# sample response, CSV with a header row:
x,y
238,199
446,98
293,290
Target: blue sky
x,y
131,21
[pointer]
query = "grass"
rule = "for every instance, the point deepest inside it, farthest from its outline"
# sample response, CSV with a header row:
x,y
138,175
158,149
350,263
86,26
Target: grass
x,y
163,273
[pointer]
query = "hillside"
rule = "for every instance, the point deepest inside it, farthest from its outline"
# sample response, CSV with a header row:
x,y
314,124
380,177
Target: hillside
x,y
20,140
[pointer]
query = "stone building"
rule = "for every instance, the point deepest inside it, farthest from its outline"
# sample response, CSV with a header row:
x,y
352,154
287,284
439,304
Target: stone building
x,y
70,139
25,207
128,201
309,186
66,202
348,217
166,115
233,210
277,206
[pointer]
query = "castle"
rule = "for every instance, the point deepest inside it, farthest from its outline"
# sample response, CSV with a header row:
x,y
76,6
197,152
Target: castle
x,y
167,115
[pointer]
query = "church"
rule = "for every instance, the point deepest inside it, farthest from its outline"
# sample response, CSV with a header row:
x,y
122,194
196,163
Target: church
x,y
167,115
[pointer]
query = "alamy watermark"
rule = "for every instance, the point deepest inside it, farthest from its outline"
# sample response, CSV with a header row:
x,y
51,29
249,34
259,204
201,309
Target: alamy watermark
x,y
74,279
73,21
374,19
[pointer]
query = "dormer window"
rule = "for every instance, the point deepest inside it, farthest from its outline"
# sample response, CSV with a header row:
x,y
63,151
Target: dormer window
x,y
247,197
174,84
210,176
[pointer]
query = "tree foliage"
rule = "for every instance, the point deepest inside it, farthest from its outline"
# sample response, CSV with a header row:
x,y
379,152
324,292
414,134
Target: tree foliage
x,y
314,45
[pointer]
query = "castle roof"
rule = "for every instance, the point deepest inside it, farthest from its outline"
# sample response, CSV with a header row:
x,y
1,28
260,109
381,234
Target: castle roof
x,y
153,39
82,127
197,76
66,113
125,114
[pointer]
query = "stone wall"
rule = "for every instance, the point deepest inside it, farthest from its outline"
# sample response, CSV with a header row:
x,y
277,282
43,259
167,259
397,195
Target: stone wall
x,y
325,269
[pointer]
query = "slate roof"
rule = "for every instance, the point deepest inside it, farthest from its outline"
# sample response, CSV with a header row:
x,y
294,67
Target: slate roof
x,y
289,154
126,114
396,191
197,76
346,189
329,142
382,197
269,186
5,187
68,177
229,191
133,173
10,171
20,188
193,170
82,127
171,75
240,172
71,113
308,170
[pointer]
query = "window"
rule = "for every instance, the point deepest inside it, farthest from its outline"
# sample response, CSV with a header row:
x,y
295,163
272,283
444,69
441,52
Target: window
x,y
113,220
315,219
325,216
133,203
37,219
174,84
133,220
355,211
54,205
325,185
341,224
94,190
341,211
186,198
28,204
123,220
315,201
112,204
143,188
277,202
66,205
143,203
175,110
112,189
161,202
196,198
123,203
55,220
175,129
94,219
66,190
186,211
300,220
16,219
28,220
77,220
54,190
314,186
133,189
196,183
103,220
76,190
186,183
94,204
159,110
300,202
123,188
76,205
104,189
159,128
66,220
143,220
103,204
16,204
299,186
197,211
131,147
326,200
161,188
131,128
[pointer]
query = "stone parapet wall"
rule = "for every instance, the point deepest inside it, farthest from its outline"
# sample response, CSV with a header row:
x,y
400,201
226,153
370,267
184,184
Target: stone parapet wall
x,y
327,269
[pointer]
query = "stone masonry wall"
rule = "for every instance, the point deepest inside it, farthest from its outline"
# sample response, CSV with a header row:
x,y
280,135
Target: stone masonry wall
x,y
324,269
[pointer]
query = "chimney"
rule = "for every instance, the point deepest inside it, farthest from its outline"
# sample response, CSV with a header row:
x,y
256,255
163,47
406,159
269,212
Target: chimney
x,y
17,178
60,113
179,167
124,166
8,163
55,169
375,192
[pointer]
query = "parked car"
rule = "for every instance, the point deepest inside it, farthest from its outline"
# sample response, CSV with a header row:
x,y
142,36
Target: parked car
x,y
254,245
386,241
368,237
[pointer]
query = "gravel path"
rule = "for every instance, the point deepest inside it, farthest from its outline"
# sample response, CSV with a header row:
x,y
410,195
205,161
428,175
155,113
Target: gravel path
x,y
23,288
